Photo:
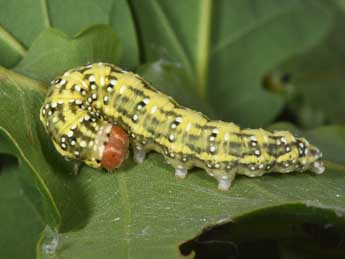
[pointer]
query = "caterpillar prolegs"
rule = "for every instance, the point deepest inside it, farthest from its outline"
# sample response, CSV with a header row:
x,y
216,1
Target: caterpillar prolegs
x,y
86,107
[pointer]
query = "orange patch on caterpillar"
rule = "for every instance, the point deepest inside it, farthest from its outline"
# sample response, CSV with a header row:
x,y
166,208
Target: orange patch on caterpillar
x,y
116,149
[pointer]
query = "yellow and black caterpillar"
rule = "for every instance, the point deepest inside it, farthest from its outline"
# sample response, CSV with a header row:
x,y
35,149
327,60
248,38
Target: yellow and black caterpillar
x,y
84,104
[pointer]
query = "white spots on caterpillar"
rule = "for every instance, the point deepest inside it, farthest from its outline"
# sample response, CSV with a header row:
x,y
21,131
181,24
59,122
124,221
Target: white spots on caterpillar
x,y
211,174
63,139
300,144
212,149
261,166
76,153
143,142
253,138
50,113
209,165
74,127
113,82
88,66
62,82
89,99
226,136
179,119
53,105
93,86
146,101
83,143
94,96
123,89
92,78
306,151
171,137
105,98
78,102
139,107
87,118
63,146
55,119
215,131
153,109
283,140
109,89
189,126
44,111
253,143
91,143
224,177
132,135
286,164
73,142
287,148
257,152
212,138
60,101
135,118
77,88
70,134
138,147
172,154
184,159
217,166
252,168
83,92
173,125
228,167
47,106
268,167
278,142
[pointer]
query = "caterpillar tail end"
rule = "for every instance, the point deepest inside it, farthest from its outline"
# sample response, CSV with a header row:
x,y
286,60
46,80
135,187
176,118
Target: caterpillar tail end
x,y
116,149
317,166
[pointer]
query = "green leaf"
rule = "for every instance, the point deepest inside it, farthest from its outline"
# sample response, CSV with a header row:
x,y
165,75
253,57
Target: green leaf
x,y
142,210
17,35
226,47
20,223
53,52
316,72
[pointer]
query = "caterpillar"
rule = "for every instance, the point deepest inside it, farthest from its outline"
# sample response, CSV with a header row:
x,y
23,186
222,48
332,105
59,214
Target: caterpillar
x,y
94,111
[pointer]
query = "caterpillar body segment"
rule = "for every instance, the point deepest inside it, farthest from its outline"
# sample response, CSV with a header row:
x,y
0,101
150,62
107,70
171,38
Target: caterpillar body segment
x,y
84,104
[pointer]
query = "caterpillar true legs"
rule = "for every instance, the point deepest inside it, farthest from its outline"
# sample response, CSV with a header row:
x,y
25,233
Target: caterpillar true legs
x,y
83,105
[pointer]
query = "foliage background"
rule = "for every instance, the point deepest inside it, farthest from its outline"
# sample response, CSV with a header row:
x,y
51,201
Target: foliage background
x,y
253,62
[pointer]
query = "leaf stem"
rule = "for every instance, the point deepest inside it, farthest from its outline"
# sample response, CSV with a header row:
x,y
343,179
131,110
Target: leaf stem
x,y
203,47
12,42
46,19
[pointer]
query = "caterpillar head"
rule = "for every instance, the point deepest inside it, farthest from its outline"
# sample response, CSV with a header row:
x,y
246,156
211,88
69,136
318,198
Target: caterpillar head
x,y
116,149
